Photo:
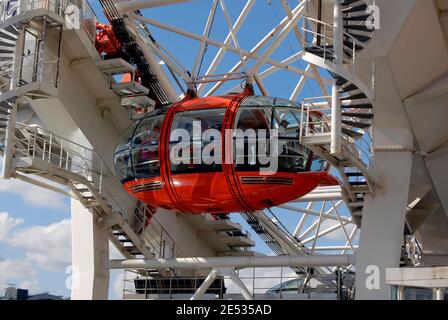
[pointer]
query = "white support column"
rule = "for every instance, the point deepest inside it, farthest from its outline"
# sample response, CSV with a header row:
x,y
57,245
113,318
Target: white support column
x,y
336,111
205,285
90,248
439,294
237,281
400,293
384,213
338,41
336,118
12,117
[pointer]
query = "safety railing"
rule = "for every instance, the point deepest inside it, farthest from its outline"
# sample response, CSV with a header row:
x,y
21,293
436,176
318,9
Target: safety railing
x,y
328,5
81,9
154,234
316,120
34,142
88,18
275,283
11,8
55,6
32,68
364,148
315,117
8,9
359,64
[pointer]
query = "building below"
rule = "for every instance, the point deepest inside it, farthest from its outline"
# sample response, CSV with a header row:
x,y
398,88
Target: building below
x,y
12,293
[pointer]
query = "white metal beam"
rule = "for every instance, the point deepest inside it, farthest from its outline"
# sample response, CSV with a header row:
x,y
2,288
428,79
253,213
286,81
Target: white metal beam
x,y
277,41
205,285
232,33
220,54
300,84
237,281
234,262
218,44
133,5
207,29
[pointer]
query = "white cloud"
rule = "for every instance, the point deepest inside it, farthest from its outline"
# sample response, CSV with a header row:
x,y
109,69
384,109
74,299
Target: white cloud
x,y
17,272
32,285
47,246
34,195
6,224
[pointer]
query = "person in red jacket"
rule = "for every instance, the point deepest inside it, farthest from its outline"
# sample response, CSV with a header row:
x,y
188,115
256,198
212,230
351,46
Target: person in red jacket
x,y
106,42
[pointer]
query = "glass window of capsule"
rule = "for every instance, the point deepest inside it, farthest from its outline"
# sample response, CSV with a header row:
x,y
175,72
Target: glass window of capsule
x,y
137,156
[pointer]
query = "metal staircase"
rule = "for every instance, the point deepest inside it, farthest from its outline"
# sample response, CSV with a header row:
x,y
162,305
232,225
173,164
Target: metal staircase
x,y
41,153
354,78
266,231
282,242
8,38
38,152
54,158
133,94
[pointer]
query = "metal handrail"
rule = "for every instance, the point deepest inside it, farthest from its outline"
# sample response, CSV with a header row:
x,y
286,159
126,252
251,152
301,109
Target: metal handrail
x,y
362,148
321,125
24,6
38,143
361,64
157,240
39,69
338,283
86,12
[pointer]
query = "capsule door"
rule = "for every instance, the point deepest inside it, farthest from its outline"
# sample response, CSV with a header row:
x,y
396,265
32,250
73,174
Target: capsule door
x,y
272,170
195,153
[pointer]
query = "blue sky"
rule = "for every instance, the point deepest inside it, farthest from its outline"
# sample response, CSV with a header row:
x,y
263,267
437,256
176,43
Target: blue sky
x,y
35,223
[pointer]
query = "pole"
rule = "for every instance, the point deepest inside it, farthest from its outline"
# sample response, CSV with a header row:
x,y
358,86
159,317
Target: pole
x,y
237,281
11,124
440,295
336,110
234,262
205,285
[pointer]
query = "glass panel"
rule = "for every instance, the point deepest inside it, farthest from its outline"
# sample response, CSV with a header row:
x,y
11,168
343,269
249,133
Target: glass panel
x,y
259,101
145,148
293,156
30,58
123,167
201,135
249,125
136,155
287,121
292,285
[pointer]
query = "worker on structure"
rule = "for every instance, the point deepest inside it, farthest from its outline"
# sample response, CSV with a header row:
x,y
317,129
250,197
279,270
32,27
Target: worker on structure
x,y
106,42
